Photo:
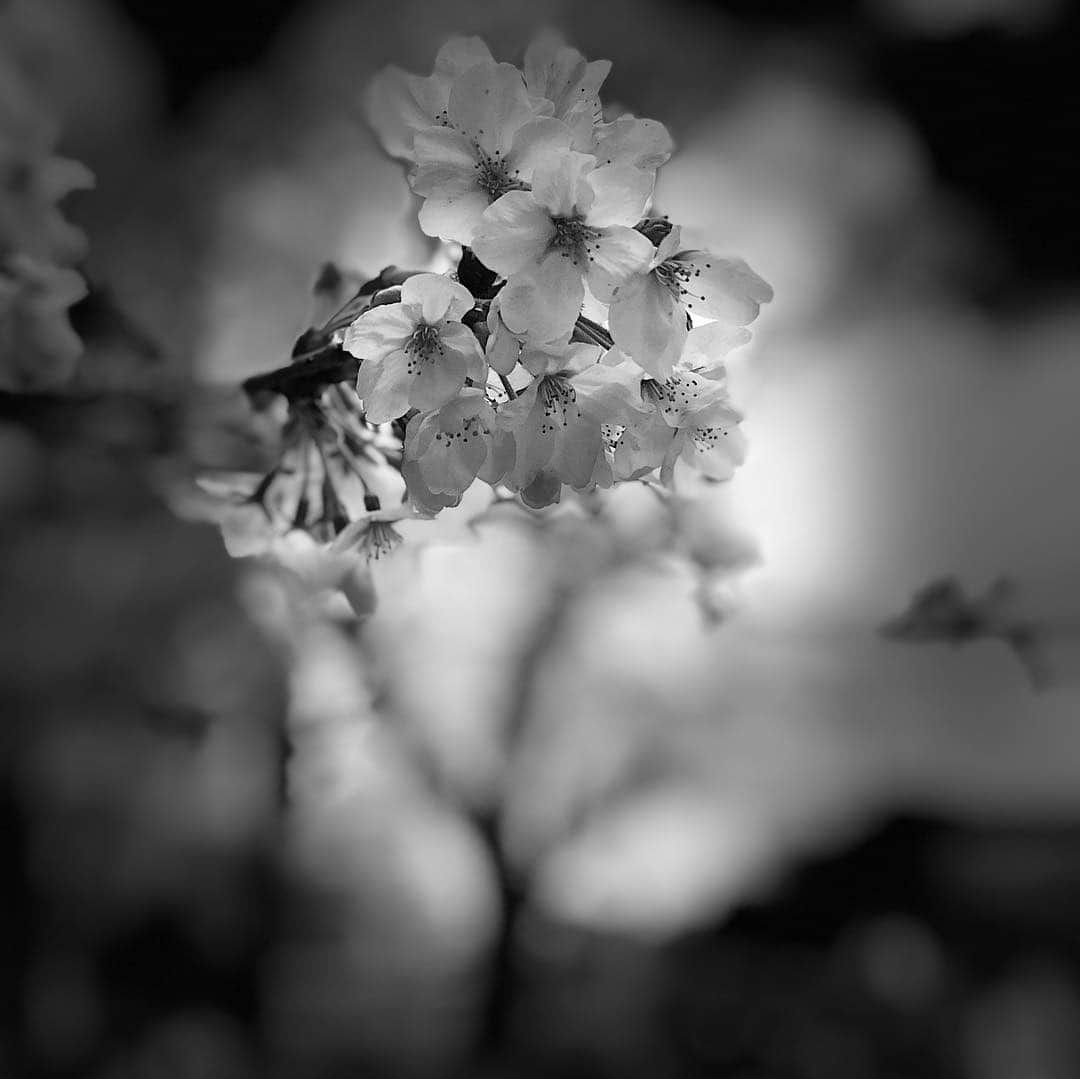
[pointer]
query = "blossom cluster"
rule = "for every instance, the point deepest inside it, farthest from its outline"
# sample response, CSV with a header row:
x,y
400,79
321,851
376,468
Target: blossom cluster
x,y
497,372
576,343
38,246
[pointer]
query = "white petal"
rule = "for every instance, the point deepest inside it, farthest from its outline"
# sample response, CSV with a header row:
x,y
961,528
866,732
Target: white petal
x,y
668,246
611,390
647,324
617,255
561,74
692,400
546,302
642,448
716,451
643,144
513,233
437,296
437,380
453,218
621,195
706,346
389,397
460,53
537,143
379,331
580,443
459,337
445,162
503,347
500,458
393,112
450,467
560,186
489,102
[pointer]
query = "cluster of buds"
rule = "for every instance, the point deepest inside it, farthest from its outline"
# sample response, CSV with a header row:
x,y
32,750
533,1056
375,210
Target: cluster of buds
x,y
575,344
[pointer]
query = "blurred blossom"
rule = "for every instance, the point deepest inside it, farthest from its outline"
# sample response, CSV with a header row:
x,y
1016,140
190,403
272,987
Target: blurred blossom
x,y
38,246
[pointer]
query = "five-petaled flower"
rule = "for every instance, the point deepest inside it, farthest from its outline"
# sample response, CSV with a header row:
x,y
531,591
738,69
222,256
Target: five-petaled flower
x,y
575,226
687,415
558,420
373,535
648,313
416,353
452,447
398,104
492,142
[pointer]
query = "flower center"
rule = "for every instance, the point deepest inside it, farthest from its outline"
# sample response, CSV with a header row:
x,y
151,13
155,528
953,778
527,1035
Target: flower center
x,y
422,345
674,396
678,277
493,175
708,438
572,238
558,400
378,539
470,428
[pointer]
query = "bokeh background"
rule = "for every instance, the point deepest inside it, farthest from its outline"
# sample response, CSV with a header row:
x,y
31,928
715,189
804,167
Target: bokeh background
x,y
533,817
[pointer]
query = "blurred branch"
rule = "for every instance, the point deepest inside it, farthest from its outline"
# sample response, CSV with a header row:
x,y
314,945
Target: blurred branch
x,y
943,611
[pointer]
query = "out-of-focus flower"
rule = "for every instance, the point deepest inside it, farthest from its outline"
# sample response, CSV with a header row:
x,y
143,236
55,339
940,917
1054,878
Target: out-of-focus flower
x,y
689,415
649,311
248,532
458,444
575,226
491,144
559,75
416,353
38,347
32,185
398,104
630,140
561,79
372,535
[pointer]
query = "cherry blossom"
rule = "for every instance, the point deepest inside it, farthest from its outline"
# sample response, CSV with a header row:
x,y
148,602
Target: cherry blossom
x,y
688,415
398,104
558,352
558,75
372,535
575,226
456,445
558,419
492,143
649,311
415,353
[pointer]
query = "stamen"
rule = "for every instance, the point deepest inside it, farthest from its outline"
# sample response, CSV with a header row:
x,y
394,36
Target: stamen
x,y
378,539
558,399
574,239
423,344
678,277
493,174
